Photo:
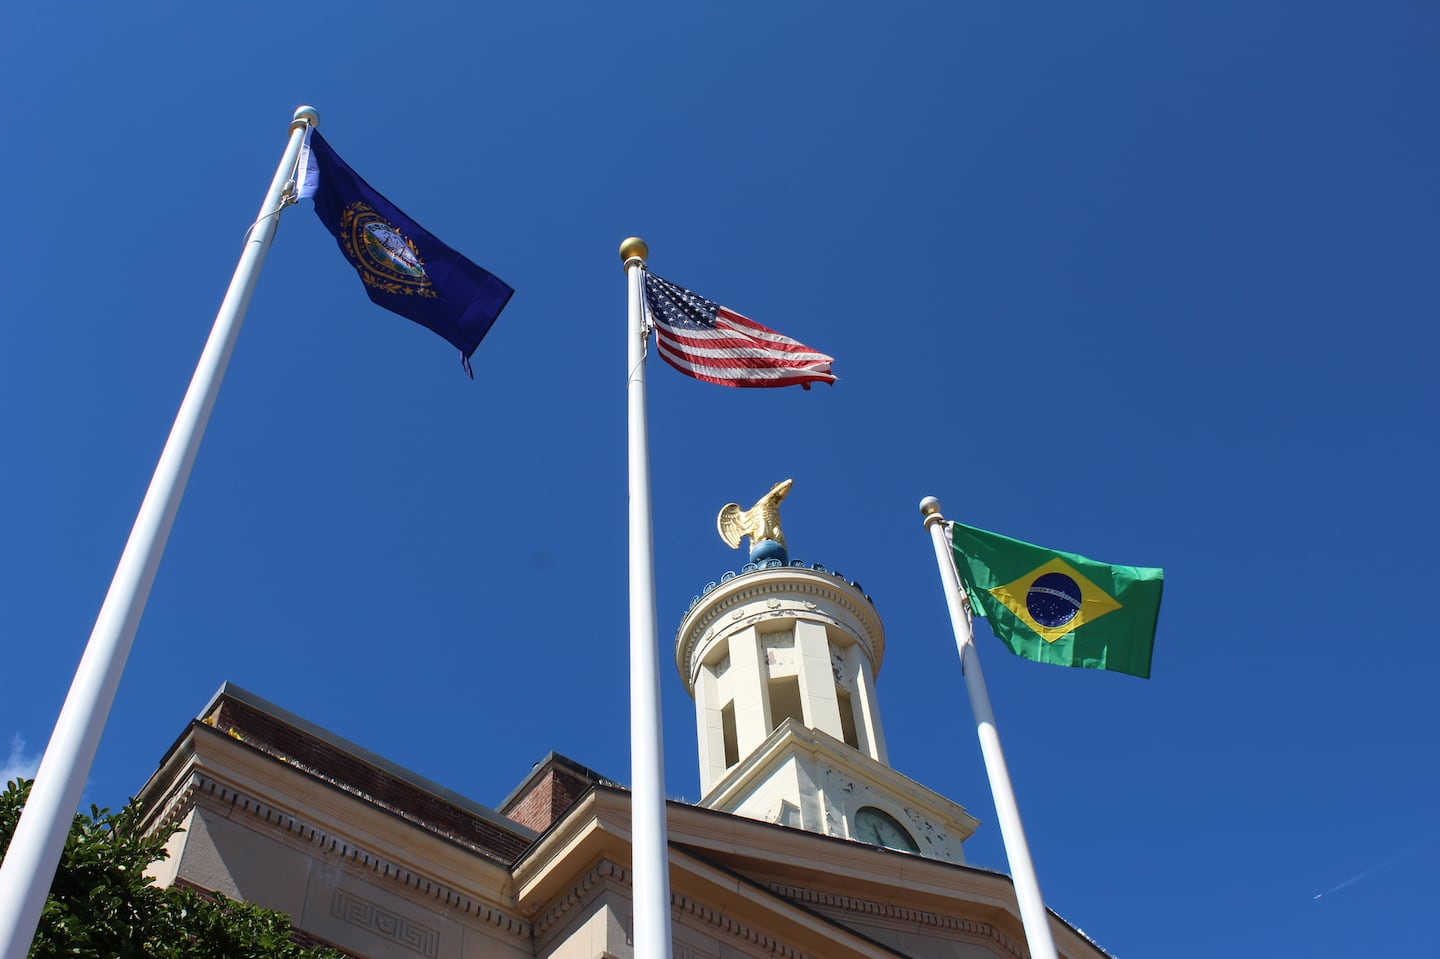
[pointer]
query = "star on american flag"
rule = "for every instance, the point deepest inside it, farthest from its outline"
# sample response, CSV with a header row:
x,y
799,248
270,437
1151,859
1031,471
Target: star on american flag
x,y
703,339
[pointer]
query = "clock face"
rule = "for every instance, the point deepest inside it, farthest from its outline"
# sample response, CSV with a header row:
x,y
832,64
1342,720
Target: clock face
x,y
879,828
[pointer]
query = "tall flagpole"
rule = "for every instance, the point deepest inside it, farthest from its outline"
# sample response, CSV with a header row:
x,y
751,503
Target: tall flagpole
x,y
30,863
1017,851
650,865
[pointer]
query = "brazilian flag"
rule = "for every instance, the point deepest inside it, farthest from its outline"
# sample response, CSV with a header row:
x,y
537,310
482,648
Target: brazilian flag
x,y
1060,608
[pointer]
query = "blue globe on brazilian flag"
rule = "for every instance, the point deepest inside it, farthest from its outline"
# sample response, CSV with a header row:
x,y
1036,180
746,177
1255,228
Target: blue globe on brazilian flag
x,y
1060,608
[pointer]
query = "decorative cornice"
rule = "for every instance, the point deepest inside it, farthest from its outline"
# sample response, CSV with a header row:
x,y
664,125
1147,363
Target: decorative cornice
x,y
735,928
847,611
201,788
604,873
773,564
607,872
884,910
378,794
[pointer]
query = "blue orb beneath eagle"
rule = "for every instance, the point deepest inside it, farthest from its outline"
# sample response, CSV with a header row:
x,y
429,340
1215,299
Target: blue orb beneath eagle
x,y
1053,599
768,549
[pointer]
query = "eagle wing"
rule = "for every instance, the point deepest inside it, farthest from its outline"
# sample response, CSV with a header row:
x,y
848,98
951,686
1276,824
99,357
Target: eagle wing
x,y
734,524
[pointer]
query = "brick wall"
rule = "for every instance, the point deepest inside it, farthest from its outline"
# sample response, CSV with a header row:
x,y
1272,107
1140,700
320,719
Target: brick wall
x,y
351,774
548,792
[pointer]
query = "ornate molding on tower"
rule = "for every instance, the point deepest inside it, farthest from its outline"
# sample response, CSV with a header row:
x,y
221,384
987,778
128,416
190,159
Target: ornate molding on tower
x,y
776,592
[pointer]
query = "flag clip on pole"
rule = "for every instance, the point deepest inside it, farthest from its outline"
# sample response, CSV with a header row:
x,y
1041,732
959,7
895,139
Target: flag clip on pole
x,y
1022,871
650,858
30,863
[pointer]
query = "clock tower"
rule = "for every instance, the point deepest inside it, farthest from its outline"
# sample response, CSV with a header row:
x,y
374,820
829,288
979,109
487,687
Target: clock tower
x,y
781,658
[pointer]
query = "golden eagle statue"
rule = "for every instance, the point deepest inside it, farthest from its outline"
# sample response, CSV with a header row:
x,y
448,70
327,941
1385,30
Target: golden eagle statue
x,y
759,522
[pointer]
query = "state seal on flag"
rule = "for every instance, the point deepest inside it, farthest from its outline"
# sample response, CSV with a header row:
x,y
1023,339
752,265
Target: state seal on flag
x,y
385,258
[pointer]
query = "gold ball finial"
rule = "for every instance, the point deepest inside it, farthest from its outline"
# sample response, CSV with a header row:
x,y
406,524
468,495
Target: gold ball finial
x,y
633,246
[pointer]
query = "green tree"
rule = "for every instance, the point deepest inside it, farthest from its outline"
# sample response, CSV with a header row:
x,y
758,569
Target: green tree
x,y
103,905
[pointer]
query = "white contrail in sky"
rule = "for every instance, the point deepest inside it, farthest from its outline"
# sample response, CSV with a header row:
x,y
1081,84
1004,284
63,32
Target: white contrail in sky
x,y
1374,869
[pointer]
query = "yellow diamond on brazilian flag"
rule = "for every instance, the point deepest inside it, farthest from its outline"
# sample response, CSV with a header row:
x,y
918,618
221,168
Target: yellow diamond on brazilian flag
x,y
1060,608
1055,599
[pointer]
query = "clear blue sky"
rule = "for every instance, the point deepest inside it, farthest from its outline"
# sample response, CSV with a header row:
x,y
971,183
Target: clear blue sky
x,y
1150,282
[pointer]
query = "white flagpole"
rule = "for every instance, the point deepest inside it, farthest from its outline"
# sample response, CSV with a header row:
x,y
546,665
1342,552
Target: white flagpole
x,y
650,864
1017,851
30,863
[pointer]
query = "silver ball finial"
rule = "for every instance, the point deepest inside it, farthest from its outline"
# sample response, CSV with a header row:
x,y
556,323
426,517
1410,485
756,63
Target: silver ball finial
x,y
929,506
308,115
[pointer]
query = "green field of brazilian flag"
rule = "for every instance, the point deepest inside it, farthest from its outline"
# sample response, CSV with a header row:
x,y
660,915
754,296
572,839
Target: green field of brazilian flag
x,y
1060,608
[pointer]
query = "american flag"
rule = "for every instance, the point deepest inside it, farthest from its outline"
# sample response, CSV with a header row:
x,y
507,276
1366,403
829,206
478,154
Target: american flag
x,y
705,340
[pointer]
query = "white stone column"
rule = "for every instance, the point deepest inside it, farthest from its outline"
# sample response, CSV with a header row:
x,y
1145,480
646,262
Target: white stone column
x,y
747,685
868,728
817,679
710,728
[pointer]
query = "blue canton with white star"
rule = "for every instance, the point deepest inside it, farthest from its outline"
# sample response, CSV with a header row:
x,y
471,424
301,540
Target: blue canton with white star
x,y
677,307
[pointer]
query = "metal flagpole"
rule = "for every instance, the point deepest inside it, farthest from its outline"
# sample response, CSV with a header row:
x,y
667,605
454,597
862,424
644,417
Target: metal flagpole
x,y
650,863
1022,870
29,865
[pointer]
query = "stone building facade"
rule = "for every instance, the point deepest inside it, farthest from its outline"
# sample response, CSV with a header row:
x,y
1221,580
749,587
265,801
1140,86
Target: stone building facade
x,y
805,844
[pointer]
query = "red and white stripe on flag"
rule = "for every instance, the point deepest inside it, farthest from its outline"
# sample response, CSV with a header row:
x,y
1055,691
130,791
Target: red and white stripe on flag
x,y
702,339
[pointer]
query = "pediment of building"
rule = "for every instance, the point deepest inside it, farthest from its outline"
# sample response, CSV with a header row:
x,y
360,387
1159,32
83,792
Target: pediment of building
x,y
843,780
787,892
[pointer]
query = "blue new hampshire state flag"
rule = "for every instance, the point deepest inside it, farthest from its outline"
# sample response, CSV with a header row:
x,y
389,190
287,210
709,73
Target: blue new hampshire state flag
x,y
403,266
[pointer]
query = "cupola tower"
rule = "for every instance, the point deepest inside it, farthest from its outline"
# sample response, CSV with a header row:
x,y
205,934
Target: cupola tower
x,y
781,658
